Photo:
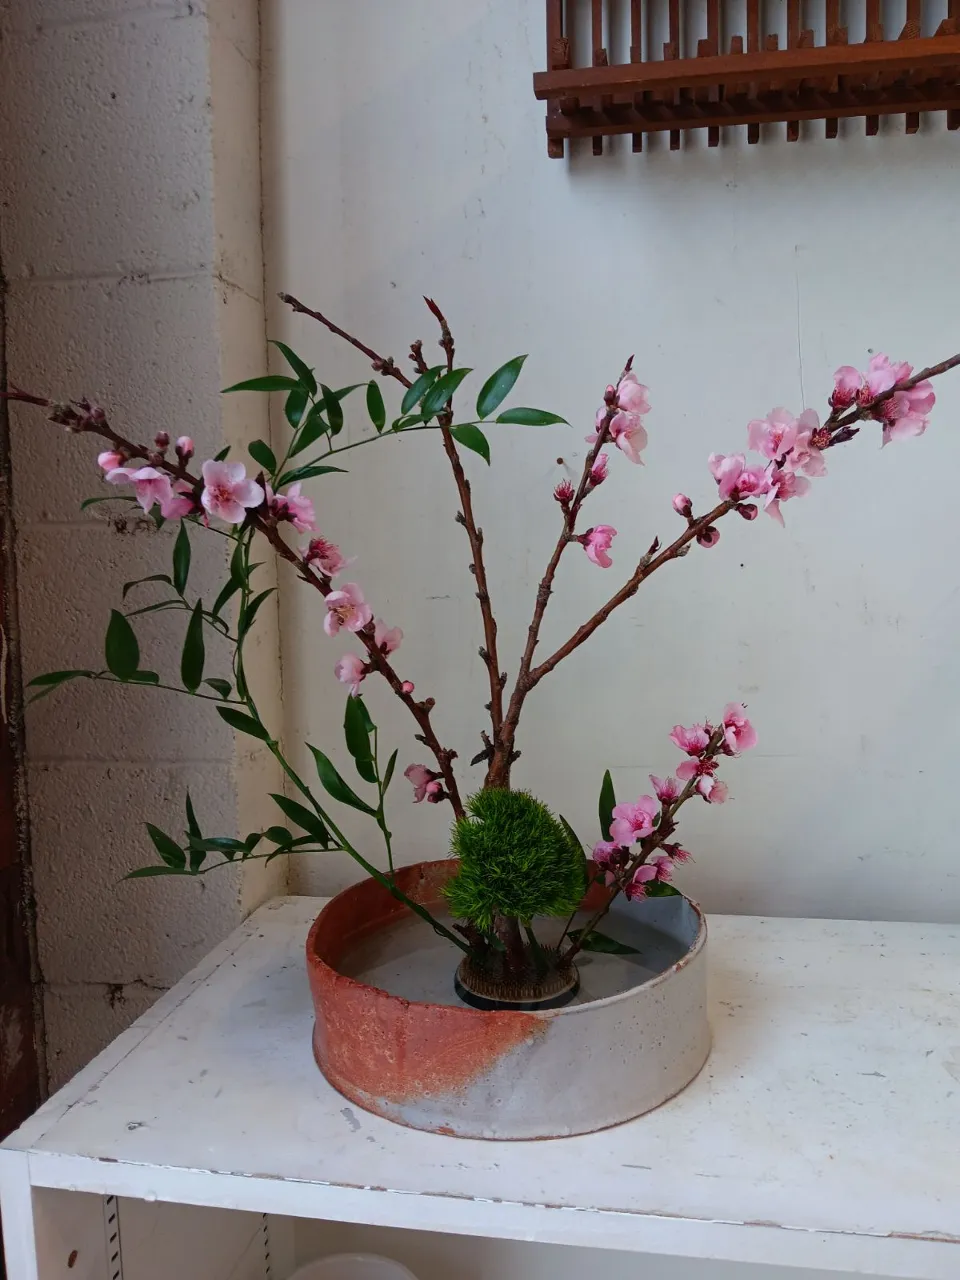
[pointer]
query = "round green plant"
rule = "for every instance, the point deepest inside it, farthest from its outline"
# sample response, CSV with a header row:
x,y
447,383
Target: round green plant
x,y
516,860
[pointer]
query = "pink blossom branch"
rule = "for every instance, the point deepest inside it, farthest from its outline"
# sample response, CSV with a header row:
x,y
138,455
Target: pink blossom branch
x,y
387,367
647,846
840,428
89,418
502,754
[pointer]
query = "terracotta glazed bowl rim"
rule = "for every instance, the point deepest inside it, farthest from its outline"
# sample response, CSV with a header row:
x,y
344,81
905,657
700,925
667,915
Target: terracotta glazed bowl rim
x,y
568,1011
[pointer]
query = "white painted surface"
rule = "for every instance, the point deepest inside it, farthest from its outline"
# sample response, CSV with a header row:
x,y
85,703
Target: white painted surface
x,y
820,1134
405,154
131,243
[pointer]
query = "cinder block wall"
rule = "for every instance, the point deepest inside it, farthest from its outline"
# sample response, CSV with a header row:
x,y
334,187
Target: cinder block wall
x,y
131,249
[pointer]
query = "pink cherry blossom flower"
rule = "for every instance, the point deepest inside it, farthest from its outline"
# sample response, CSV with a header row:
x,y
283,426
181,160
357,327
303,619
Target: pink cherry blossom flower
x,y
407,686
902,428
611,858
678,853
774,435
293,506
351,670
629,435
682,504
700,768
709,537
387,638
151,485
637,887
665,789
346,608
598,472
426,784
632,394
564,493
784,484
184,448
110,461
180,503
806,454
596,543
712,790
738,733
846,385
633,821
227,491
694,741
735,479
662,866
881,376
326,556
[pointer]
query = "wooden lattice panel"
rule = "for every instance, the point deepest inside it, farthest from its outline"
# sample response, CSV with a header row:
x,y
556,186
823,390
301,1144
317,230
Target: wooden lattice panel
x,y
753,80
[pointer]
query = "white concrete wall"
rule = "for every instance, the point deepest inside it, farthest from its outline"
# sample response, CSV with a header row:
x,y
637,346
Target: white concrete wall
x,y
132,251
405,154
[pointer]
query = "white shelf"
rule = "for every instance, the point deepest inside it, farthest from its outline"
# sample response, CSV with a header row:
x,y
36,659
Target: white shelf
x,y
823,1132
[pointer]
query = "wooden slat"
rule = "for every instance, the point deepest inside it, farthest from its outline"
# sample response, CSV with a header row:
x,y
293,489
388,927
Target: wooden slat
x,y
753,46
636,54
859,60
836,34
911,31
713,41
599,60
555,61
874,34
793,42
953,13
671,52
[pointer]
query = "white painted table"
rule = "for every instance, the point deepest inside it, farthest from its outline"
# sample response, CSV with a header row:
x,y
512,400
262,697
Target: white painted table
x,y
824,1132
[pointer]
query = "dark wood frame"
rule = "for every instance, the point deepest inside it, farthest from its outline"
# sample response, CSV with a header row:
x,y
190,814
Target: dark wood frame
x,y
752,85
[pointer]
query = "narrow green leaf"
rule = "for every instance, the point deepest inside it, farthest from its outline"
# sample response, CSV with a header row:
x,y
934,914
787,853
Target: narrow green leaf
x,y
270,382
193,657
109,497
252,840
279,835
217,844
300,368
335,786
388,772
245,621
168,849
521,417
229,589
572,835
356,729
607,801
261,452
660,889
181,560
343,392
222,455
142,873
472,438
498,386
334,412
417,390
409,420
222,687
158,606
50,679
121,650
375,406
601,942
145,677
307,472
295,406
193,826
153,577
313,427
238,569
243,723
303,817
441,391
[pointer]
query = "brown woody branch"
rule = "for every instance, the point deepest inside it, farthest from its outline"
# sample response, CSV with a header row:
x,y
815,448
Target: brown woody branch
x,y
95,422
498,773
382,364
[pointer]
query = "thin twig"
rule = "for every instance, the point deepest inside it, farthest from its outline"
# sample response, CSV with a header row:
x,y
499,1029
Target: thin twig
x,y
382,364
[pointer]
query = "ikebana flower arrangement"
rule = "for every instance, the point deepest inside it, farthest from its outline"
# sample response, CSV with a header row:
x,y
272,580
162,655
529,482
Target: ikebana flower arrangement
x,y
519,863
